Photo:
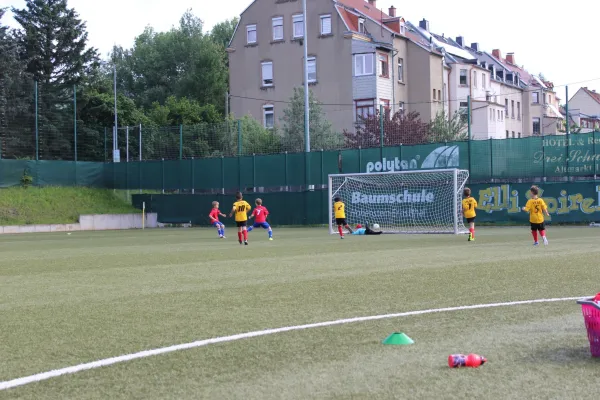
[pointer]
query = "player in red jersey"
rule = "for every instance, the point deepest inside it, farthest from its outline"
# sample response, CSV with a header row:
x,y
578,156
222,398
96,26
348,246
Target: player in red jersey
x,y
214,219
260,214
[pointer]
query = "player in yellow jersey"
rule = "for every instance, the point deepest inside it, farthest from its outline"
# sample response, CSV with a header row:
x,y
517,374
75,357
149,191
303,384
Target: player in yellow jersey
x,y
241,208
339,209
469,204
536,208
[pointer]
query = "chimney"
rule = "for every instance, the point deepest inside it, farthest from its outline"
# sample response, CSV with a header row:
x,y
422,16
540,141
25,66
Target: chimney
x,y
510,57
373,3
392,11
424,25
460,40
496,53
475,46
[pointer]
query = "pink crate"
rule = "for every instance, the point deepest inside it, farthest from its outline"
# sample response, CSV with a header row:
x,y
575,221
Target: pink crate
x,y
591,315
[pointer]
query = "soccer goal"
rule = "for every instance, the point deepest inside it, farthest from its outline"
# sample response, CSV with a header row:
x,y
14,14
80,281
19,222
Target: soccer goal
x,y
418,201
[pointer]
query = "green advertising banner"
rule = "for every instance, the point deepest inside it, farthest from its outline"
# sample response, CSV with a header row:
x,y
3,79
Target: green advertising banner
x,y
574,202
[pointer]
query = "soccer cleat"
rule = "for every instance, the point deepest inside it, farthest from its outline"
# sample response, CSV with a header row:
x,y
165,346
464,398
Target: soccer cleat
x,y
246,243
536,244
240,242
470,238
545,241
341,237
270,238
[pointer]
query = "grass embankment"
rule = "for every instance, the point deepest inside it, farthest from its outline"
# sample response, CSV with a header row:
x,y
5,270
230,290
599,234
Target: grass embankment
x,y
57,205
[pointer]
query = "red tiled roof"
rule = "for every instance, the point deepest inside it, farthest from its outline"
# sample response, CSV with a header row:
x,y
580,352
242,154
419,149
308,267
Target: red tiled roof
x,y
364,7
350,19
593,95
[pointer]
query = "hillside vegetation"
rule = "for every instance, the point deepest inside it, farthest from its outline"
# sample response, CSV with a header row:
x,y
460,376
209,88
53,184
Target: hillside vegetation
x,y
57,205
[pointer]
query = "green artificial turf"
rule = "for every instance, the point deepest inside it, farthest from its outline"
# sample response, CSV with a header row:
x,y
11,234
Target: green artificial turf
x,y
57,205
66,300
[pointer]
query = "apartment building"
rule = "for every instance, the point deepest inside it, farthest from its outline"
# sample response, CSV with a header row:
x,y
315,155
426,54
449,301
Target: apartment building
x,y
359,59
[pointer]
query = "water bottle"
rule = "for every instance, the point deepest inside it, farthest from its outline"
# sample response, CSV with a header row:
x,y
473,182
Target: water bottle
x,y
471,361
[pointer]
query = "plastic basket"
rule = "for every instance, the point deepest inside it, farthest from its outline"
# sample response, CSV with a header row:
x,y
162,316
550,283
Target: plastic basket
x,y
590,307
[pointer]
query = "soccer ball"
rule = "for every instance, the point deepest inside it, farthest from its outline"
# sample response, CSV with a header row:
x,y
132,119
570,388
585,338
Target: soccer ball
x,y
375,226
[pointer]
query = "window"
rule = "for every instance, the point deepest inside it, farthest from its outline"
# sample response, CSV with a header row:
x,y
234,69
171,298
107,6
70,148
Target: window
x,y
400,70
439,95
311,65
364,108
463,77
384,65
507,135
513,134
386,107
512,109
251,34
483,84
434,94
361,25
268,116
492,114
519,110
401,108
326,24
363,64
278,28
499,119
267,73
545,99
519,135
536,126
464,110
475,79
536,97
402,28
298,21
506,106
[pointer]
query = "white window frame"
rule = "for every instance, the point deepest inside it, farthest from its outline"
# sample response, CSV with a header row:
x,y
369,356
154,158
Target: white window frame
x,y
268,109
323,19
539,122
400,69
249,29
383,59
313,61
277,22
262,74
466,75
298,23
483,83
366,61
402,28
535,97
368,104
401,107
361,25
475,79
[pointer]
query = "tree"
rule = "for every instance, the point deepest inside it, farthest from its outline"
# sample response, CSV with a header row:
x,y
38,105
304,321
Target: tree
x,y
321,135
222,32
401,128
54,46
182,62
446,128
16,91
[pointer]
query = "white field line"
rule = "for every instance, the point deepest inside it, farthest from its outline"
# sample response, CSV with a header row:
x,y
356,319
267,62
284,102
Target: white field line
x,y
200,343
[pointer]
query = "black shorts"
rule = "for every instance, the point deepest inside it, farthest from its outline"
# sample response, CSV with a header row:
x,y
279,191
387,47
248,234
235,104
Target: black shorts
x,y
469,220
240,223
372,232
341,221
538,227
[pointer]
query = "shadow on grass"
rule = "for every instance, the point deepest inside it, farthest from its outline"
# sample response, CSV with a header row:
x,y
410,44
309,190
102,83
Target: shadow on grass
x,y
563,356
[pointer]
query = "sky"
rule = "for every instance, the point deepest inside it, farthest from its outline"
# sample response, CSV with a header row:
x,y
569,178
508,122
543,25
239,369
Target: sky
x,y
556,40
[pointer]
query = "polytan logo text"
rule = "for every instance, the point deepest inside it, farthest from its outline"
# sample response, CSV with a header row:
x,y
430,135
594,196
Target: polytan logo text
x,y
441,157
424,196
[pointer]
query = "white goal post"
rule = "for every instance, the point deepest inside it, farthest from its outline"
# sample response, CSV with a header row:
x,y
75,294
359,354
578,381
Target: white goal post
x,y
416,201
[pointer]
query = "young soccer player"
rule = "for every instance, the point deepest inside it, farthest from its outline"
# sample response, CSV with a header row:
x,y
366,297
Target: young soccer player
x,y
469,204
365,231
340,216
260,214
240,209
536,208
214,219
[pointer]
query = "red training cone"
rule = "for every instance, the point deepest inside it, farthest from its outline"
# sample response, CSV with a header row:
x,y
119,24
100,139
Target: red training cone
x,y
471,361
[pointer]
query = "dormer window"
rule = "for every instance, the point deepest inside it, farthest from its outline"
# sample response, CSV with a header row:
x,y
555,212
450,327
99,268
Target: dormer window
x,y
361,25
402,28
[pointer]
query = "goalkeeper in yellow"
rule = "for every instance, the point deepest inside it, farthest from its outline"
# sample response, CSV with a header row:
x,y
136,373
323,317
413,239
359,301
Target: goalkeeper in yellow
x,y
536,208
469,204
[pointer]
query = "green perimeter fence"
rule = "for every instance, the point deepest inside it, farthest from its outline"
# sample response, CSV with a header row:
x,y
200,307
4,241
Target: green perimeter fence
x,y
533,158
568,202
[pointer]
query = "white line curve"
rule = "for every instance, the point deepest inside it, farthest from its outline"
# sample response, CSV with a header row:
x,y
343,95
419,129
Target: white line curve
x,y
205,342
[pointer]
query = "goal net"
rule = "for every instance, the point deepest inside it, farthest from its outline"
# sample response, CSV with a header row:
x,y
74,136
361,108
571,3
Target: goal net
x,y
426,201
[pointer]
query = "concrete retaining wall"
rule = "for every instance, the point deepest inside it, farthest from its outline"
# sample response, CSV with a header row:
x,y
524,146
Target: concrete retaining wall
x,y
89,223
